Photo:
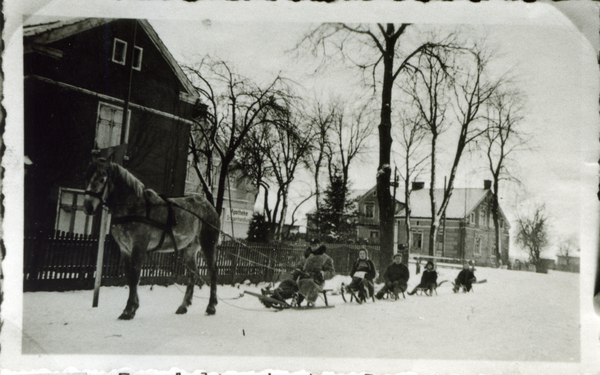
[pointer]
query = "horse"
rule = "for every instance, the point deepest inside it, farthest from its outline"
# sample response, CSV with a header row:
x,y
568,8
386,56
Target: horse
x,y
144,222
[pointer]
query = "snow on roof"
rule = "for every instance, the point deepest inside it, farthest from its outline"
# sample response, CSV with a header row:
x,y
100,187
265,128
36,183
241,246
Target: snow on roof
x,y
462,201
47,30
39,25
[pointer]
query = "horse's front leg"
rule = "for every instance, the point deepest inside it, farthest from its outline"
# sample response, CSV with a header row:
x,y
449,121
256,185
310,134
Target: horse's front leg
x,y
210,254
133,268
189,255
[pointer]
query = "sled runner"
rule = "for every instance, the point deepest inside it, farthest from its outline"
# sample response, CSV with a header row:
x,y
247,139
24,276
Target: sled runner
x,y
353,296
281,305
456,288
429,290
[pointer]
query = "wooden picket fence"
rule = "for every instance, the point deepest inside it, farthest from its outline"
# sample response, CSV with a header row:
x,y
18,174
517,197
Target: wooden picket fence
x,y
63,261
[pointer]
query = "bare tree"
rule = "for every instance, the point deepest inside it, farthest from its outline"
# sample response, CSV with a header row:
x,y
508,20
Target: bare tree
x,y
411,137
286,149
235,106
321,121
503,138
532,233
252,163
349,140
459,80
374,49
567,247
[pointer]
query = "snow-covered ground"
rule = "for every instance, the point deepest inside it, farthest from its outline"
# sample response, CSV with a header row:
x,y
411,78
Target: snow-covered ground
x,y
515,316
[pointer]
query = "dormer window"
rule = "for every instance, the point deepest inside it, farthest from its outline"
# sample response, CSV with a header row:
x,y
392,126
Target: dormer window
x,y
119,51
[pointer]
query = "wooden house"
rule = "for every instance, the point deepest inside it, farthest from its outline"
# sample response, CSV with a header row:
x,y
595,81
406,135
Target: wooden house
x,y
79,74
466,232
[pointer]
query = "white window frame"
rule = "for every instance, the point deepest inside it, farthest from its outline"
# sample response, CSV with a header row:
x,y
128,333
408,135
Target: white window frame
x,y
104,104
472,218
72,207
137,63
124,44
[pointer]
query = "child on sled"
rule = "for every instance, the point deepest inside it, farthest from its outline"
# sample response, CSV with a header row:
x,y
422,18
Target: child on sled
x,y
396,278
428,279
362,273
465,279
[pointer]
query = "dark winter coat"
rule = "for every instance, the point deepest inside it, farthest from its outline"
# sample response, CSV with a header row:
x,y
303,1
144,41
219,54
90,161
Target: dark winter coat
x,y
397,272
465,277
315,264
428,278
364,265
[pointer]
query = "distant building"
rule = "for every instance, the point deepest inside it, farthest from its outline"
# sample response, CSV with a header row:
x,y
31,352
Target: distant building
x,y
467,232
367,215
237,211
567,263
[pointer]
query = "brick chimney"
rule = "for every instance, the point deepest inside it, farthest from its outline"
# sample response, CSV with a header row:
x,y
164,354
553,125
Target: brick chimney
x,y
487,184
418,185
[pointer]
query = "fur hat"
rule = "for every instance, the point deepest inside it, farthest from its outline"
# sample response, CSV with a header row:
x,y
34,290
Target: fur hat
x,y
320,250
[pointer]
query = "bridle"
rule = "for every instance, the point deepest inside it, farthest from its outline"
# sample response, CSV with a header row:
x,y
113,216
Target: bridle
x,y
99,195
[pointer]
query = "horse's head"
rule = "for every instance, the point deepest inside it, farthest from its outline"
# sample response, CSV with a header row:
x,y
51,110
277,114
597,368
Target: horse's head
x,y
96,182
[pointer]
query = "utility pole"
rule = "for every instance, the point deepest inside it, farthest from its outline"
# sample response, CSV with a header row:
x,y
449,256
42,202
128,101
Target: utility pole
x,y
119,154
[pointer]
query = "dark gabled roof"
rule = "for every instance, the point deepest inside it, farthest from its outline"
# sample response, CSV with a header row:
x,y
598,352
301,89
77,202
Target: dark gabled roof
x,y
47,30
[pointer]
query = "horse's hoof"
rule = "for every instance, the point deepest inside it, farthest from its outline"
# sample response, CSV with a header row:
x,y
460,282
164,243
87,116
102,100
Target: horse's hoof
x,y
181,310
210,310
126,316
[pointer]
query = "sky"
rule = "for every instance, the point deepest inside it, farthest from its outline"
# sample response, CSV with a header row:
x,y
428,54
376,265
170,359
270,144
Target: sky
x,y
553,64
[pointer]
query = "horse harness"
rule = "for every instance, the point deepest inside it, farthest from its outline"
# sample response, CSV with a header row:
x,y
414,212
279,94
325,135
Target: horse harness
x,y
166,227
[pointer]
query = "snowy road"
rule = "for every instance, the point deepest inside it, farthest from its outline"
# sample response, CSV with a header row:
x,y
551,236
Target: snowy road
x,y
516,316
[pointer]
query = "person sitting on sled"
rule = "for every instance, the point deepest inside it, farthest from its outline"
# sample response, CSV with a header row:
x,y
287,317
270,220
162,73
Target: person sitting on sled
x,y
396,278
289,287
465,278
428,278
317,268
362,274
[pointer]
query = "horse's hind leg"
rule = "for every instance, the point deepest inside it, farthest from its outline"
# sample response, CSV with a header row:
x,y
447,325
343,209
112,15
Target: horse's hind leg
x,y
189,255
209,250
133,268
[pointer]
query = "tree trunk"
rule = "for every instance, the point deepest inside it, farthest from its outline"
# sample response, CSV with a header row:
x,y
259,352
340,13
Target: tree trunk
x,y
496,217
434,224
384,197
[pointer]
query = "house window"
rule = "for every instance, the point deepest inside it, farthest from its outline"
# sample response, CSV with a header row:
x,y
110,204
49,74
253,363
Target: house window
x,y
502,223
137,58
70,216
472,218
417,241
482,216
108,128
370,210
477,248
374,234
119,51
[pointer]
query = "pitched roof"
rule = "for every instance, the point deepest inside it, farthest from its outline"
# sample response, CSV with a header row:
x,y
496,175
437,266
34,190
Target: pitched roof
x,y
462,202
48,30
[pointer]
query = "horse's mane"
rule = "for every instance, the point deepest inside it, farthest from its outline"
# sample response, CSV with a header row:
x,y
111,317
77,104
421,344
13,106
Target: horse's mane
x,y
129,180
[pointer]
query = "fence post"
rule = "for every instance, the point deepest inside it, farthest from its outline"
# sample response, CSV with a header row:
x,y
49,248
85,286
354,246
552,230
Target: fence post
x,y
100,259
234,263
